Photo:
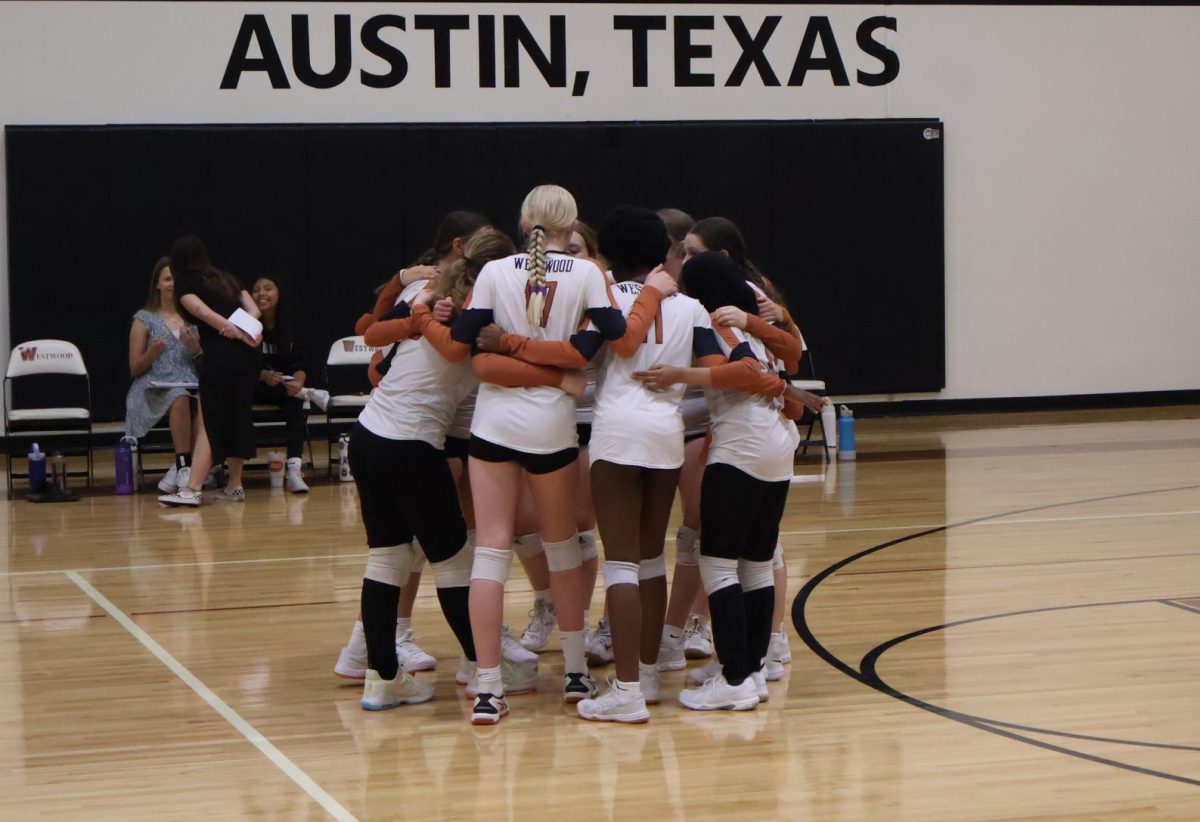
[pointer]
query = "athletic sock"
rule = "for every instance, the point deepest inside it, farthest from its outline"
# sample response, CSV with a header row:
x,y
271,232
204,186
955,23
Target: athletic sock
x,y
358,640
379,601
760,607
456,609
629,689
728,609
403,625
672,637
574,661
544,596
489,681
646,671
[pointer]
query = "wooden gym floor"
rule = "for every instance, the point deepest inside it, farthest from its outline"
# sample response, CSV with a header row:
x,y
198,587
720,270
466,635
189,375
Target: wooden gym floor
x,y
999,618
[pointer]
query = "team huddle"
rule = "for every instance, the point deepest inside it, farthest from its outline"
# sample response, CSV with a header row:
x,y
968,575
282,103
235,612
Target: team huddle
x,y
524,396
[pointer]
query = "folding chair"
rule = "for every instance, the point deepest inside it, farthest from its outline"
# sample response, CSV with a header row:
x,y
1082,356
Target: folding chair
x,y
806,380
348,385
54,402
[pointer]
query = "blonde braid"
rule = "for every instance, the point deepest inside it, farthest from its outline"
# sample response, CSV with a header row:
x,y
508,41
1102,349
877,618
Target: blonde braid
x,y
536,286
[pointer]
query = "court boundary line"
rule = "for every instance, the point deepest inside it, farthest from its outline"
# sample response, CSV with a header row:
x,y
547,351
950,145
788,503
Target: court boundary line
x,y
990,519
800,622
222,708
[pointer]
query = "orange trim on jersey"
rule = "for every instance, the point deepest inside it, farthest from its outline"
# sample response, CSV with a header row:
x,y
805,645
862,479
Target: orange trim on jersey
x,y
557,353
725,332
386,332
510,372
644,312
438,335
781,343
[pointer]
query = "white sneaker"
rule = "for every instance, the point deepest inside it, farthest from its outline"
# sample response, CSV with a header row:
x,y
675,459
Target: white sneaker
x,y
184,498
778,655
465,672
169,484
759,679
236,494
578,687
518,678
698,676
410,654
651,687
316,396
488,709
671,659
349,665
182,477
615,706
718,695
697,638
514,651
380,694
541,626
294,478
598,646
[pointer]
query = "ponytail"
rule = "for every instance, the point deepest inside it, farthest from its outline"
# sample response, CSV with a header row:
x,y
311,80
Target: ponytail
x,y
536,287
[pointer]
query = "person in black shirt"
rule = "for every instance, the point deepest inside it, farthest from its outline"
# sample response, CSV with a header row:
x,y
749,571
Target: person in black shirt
x,y
284,372
207,297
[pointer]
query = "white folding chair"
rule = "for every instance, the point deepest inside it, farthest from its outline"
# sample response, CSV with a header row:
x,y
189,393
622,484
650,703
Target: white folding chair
x,y
48,404
348,385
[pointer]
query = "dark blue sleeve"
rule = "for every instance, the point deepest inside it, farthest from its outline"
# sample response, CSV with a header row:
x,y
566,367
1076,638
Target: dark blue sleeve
x,y
610,321
401,311
469,323
704,343
741,352
588,343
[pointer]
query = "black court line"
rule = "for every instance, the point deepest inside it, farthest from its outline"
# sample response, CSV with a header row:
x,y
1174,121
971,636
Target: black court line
x,y
1182,606
800,621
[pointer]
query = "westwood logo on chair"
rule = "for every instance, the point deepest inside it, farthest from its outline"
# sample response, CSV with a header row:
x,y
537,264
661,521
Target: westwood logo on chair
x,y
30,353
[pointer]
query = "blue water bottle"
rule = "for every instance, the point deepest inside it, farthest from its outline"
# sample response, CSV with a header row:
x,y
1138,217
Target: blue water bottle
x,y
37,469
124,465
846,444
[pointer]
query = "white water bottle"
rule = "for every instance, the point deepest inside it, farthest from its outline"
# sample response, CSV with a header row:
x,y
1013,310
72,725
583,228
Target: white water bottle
x,y
829,424
344,459
275,469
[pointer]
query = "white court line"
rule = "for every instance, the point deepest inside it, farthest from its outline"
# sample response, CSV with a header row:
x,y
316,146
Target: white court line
x,y
150,566
331,805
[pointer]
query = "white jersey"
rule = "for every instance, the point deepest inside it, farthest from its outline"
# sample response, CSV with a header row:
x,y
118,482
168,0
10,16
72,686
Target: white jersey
x,y
536,420
749,431
418,396
634,425
460,429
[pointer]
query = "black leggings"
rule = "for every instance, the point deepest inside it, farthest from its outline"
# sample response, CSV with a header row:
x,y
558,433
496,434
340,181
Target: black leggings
x,y
405,490
632,505
740,514
293,414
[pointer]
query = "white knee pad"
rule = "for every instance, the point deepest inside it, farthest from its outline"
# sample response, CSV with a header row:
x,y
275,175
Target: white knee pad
x,y
755,575
687,547
491,564
456,571
527,546
418,558
390,565
777,557
563,556
587,545
620,573
718,573
652,568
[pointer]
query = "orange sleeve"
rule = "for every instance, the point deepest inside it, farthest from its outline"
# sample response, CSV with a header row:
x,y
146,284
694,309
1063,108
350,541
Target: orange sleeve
x,y
438,335
781,343
793,409
386,332
557,353
364,322
510,372
747,375
641,316
387,297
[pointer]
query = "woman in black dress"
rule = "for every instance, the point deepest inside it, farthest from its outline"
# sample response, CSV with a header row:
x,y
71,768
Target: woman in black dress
x,y
207,297
284,371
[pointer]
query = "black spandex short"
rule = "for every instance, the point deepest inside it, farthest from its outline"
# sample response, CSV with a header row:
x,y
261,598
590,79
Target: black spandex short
x,y
405,490
695,435
740,514
533,463
457,448
584,430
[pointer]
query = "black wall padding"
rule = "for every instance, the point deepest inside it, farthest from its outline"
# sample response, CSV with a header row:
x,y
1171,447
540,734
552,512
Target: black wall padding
x,y
846,217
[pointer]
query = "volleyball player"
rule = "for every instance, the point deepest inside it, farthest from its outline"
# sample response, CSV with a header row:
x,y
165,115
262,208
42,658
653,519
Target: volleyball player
x,y
744,489
542,295
638,449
